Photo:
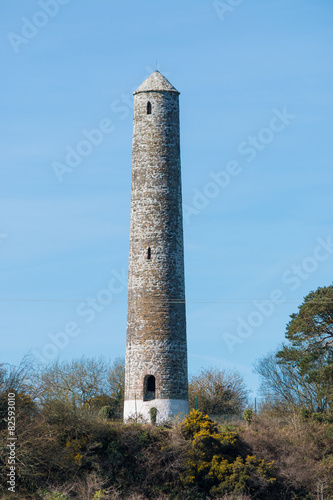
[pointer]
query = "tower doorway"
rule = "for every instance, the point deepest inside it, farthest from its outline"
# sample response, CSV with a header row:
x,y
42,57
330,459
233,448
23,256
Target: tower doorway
x,y
149,387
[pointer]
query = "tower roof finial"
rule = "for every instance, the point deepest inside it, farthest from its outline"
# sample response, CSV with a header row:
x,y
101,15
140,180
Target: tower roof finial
x,y
156,82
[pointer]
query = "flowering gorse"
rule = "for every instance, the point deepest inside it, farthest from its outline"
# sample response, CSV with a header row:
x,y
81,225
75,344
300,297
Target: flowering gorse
x,y
214,463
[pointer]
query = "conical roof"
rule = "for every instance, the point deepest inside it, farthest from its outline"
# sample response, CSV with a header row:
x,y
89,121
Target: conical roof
x,y
154,83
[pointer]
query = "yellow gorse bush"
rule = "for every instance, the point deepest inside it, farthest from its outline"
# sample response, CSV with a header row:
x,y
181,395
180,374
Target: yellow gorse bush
x,y
197,421
213,463
74,450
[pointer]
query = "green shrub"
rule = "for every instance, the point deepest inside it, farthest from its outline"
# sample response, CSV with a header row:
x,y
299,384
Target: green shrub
x,y
323,417
99,495
106,412
48,495
153,414
305,413
248,415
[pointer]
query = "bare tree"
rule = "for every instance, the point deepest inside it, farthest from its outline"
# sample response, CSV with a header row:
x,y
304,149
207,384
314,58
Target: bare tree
x,y
116,381
76,382
17,378
282,384
87,383
218,392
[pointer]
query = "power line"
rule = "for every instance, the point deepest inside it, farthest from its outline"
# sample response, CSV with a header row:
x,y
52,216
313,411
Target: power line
x,y
170,301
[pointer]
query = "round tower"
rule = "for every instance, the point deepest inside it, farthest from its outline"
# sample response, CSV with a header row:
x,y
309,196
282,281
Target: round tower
x,y
156,351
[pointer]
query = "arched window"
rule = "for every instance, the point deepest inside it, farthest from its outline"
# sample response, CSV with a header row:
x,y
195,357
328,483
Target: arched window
x,y
149,253
148,108
149,388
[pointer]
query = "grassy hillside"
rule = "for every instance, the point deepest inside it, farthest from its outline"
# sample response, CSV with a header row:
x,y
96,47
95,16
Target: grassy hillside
x,y
64,453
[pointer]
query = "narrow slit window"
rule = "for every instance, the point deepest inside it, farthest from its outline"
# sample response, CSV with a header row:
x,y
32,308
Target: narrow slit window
x,y
148,108
149,253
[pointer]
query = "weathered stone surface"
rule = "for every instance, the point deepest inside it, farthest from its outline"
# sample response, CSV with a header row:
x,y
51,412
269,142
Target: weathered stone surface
x,y
156,327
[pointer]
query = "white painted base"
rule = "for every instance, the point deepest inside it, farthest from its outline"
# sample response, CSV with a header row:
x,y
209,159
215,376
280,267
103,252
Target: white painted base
x,y
167,409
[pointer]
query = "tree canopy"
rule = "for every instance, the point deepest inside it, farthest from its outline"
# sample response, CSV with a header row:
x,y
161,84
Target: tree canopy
x,y
301,372
310,333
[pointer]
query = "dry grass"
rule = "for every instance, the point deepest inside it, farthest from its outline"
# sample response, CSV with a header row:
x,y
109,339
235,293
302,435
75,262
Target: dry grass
x,y
302,451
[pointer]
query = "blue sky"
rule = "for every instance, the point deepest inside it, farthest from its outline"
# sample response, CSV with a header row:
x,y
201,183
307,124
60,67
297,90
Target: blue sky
x,y
256,118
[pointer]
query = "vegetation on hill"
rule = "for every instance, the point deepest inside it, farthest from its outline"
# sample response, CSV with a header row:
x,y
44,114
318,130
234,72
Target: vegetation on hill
x,y
71,442
65,453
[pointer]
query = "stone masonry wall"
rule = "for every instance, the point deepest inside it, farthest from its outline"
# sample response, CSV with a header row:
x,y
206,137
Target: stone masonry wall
x,y
156,327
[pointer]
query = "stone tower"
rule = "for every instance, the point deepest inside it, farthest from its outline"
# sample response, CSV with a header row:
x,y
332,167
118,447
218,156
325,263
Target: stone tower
x,y
156,352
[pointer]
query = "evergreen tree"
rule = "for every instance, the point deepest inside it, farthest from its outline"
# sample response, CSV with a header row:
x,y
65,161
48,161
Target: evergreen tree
x,y
310,333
